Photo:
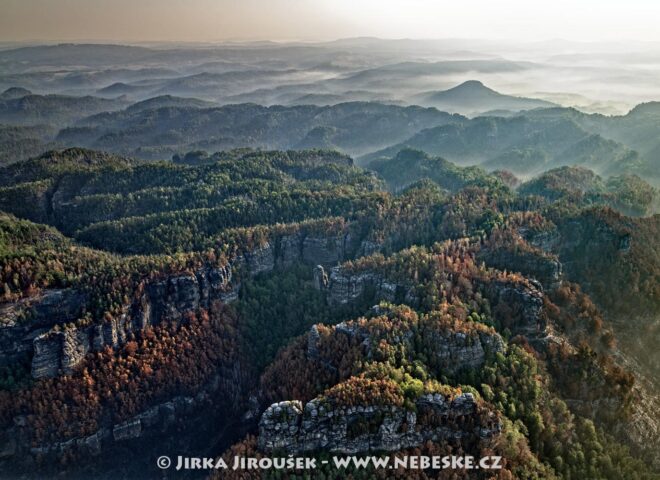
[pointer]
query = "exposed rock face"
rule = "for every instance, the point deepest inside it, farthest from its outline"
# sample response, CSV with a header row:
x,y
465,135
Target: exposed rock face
x,y
456,351
21,322
345,288
75,346
524,302
127,430
158,417
60,351
58,343
320,278
261,259
451,350
56,352
321,424
324,250
45,309
369,248
547,240
290,250
311,249
154,420
313,338
46,361
172,298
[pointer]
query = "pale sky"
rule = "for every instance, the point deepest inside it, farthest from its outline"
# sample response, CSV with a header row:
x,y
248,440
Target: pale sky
x,y
215,20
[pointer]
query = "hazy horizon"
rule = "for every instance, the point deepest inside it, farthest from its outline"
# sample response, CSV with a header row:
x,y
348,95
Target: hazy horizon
x,y
591,55
294,41
124,21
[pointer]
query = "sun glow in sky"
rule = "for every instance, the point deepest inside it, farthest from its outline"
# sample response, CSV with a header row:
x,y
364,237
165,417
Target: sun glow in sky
x,y
215,20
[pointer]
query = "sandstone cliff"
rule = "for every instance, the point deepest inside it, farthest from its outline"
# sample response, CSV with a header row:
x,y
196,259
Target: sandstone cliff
x,y
46,327
321,424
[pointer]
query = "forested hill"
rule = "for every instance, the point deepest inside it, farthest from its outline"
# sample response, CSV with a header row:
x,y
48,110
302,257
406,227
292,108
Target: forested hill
x,y
158,131
152,302
21,107
526,143
162,207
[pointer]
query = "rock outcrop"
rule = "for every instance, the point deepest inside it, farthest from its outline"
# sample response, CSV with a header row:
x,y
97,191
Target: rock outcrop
x,y
23,321
323,425
546,240
344,288
523,300
35,327
449,350
61,349
518,305
313,249
324,251
455,351
261,259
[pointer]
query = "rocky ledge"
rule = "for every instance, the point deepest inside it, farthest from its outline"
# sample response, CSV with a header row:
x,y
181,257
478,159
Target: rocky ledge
x,y
45,327
450,350
60,349
322,424
344,288
22,321
455,351
521,299
518,305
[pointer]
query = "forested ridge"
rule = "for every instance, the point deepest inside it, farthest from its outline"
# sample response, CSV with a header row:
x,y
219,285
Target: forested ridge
x,y
233,281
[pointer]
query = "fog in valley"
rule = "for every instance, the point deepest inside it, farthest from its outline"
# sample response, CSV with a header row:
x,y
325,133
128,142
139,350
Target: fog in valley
x,y
608,78
524,106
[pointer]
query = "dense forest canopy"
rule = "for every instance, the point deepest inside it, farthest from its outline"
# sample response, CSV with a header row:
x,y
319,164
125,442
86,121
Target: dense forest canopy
x,y
458,247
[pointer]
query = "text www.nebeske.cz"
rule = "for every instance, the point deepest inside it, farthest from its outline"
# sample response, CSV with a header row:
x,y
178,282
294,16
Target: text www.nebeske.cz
x,y
419,462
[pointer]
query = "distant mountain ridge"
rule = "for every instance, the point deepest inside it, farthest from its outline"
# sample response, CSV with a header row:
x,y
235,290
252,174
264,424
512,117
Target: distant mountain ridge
x,y
169,101
14,92
60,110
173,125
525,145
473,97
